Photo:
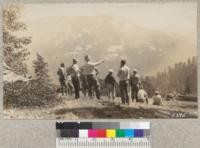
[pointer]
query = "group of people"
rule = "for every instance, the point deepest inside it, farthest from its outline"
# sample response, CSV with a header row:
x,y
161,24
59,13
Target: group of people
x,y
128,80
82,77
85,78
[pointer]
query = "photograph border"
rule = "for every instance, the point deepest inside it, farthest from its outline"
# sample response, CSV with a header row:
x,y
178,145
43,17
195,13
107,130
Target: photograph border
x,y
187,130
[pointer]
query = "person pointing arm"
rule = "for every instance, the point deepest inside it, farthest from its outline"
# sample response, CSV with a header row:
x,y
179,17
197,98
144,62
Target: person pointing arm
x,y
96,63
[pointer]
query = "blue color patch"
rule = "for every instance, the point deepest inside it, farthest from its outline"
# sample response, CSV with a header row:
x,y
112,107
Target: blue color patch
x,y
129,133
139,133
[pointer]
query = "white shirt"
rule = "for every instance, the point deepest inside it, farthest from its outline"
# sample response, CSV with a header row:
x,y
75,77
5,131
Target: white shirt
x,y
124,73
75,70
63,71
157,99
142,94
89,68
69,78
135,79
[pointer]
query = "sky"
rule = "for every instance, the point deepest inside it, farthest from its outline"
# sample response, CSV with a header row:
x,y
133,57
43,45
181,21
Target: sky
x,y
178,17
171,26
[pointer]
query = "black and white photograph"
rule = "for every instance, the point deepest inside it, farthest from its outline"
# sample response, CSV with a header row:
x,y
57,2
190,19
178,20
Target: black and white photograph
x,y
100,60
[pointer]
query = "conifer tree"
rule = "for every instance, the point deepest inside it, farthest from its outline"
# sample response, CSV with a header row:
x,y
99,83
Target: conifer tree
x,y
187,86
40,69
15,51
43,86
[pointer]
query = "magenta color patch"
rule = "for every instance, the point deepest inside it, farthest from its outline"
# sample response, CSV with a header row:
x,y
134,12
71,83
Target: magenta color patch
x,y
92,133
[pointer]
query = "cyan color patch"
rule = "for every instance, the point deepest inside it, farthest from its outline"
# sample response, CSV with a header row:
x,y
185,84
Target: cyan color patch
x,y
129,133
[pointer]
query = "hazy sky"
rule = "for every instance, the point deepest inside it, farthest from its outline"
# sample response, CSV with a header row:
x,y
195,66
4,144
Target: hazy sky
x,y
178,17
170,26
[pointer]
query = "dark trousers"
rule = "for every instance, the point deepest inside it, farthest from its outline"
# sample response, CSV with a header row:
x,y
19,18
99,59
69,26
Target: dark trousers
x,y
70,88
76,84
93,85
123,86
63,86
84,85
134,92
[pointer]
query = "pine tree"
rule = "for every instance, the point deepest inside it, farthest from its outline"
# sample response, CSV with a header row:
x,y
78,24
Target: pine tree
x,y
187,86
15,51
41,71
182,78
148,86
43,86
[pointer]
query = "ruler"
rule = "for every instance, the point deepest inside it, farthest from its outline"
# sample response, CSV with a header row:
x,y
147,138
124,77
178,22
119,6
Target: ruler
x,y
101,134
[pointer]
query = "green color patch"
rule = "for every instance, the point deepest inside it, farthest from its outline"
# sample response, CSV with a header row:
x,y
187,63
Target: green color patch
x,y
120,133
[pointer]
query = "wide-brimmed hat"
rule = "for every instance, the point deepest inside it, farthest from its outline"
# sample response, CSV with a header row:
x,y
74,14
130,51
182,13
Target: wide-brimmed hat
x,y
157,92
135,70
110,70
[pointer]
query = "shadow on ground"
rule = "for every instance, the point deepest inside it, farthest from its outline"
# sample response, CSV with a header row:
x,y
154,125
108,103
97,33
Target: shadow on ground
x,y
119,112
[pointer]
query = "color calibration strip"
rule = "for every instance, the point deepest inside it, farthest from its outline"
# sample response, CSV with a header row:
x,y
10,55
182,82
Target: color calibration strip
x,y
101,134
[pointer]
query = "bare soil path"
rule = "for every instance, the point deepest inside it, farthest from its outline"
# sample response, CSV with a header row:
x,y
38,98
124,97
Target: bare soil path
x,y
85,108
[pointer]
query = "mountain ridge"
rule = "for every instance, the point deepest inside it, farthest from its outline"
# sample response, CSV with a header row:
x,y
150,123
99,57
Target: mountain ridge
x,y
59,39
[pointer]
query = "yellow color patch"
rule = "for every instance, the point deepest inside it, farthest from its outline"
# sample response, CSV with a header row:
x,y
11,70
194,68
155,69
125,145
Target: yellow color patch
x,y
110,133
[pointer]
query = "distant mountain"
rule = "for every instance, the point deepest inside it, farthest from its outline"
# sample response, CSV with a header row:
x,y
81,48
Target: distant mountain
x,y
60,39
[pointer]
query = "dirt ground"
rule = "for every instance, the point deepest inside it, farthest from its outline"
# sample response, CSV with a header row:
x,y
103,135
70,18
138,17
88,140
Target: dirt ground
x,y
85,108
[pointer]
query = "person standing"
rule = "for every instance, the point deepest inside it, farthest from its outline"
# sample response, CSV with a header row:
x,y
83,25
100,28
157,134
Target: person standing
x,y
135,84
83,83
97,84
124,75
61,74
89,71
75,75
70,87
110,84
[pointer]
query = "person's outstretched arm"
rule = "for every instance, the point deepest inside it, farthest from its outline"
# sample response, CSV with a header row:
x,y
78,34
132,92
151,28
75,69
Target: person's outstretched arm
x,y
97,63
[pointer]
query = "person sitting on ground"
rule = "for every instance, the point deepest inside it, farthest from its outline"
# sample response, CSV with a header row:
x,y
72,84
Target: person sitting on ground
x,y
170,97
142,95
110,84
157,99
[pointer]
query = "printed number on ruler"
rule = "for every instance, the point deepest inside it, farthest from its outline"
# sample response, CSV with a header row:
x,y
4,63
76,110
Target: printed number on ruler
x,y
103,142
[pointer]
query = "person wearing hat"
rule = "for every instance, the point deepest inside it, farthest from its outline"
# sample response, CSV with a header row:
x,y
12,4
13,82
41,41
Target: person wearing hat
x,y
110,84
124,75
142,95
157,99
75,75
89,71
62,78
135,84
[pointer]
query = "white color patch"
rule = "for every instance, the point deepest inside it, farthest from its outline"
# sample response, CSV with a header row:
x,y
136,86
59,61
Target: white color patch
x,y
83,133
